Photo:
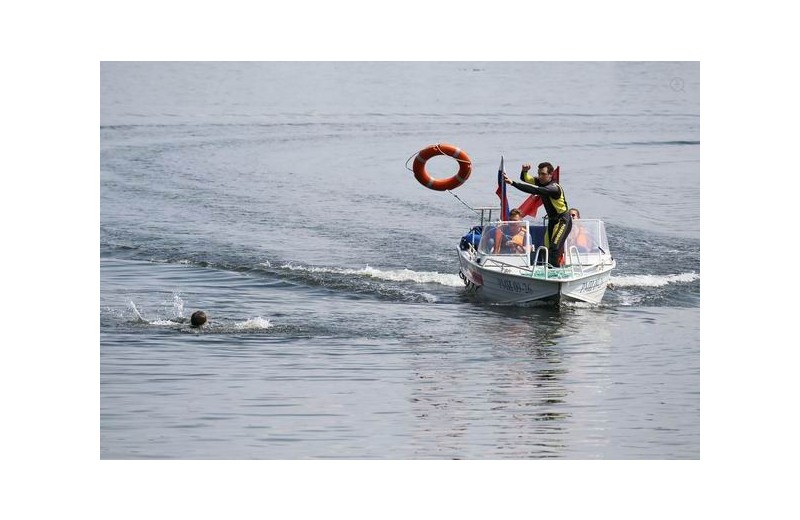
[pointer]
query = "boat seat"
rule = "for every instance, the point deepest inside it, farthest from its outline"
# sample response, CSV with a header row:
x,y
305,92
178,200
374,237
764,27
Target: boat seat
x,y
537,236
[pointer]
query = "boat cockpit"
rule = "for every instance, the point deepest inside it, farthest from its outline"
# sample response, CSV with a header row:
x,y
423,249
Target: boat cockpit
x,y
521,243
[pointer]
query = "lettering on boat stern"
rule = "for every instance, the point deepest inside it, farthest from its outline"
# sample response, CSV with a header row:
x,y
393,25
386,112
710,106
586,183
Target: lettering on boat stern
x,y
514,286
593,285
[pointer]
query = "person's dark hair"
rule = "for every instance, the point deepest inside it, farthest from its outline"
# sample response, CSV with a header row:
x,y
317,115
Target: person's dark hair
x,y
198,318
546,165
513,212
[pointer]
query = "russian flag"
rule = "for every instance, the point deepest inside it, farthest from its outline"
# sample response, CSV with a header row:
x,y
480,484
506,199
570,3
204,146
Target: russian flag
x,y
501,192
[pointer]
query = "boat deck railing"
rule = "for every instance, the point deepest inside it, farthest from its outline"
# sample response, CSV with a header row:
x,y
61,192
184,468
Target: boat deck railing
x,y
543,270
486,213
535,271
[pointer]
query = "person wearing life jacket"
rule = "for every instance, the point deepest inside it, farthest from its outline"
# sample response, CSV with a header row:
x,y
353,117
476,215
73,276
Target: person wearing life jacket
x,y
515,241
559,223
579,237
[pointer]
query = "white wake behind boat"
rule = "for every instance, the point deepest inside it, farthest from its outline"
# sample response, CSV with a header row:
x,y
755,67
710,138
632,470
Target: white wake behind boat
x,y
494,274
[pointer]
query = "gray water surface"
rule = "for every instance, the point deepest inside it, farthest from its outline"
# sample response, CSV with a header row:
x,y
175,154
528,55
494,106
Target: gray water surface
x,y
275,196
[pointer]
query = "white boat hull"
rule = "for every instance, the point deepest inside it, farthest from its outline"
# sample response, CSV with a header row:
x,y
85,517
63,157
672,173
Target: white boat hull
x,y
590,289
510,285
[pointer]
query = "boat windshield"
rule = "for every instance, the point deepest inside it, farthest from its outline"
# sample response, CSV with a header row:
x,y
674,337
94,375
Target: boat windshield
x,y
588,235
505,238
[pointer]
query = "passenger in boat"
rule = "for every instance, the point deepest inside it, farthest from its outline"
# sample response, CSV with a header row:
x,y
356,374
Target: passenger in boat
x,y
514,242
579,236
555,203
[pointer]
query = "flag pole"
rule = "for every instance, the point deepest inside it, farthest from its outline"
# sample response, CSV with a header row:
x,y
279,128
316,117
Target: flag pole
x,y
501,192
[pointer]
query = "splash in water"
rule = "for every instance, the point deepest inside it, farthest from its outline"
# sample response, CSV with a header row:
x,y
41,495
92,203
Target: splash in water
x,y
256,323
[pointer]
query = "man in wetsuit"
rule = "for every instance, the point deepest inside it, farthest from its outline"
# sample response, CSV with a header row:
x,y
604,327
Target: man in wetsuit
x,y
559,222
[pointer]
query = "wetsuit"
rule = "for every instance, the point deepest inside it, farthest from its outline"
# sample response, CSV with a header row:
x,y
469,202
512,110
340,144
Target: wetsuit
x,y
559,223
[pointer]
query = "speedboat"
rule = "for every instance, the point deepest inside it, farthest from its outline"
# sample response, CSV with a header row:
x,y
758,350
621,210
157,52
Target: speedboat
x,y
525,275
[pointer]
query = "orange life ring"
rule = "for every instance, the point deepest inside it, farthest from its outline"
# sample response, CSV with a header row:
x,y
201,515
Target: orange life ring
x,y
464,167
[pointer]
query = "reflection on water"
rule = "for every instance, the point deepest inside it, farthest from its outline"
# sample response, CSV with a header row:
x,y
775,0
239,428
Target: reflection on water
x,y
519,389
